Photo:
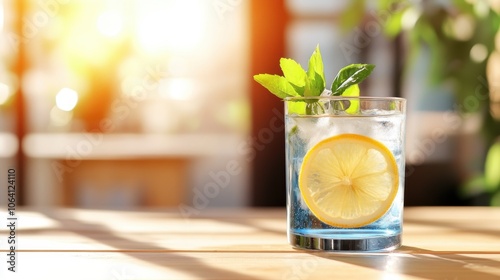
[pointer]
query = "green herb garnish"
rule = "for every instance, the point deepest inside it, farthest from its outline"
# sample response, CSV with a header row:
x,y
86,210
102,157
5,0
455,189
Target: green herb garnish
x,y
297,82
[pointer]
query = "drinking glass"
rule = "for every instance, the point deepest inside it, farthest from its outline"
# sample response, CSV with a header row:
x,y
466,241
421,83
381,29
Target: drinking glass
x,y
316,125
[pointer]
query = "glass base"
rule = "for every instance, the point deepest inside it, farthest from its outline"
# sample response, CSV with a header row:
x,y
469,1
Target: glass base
x,y
381,244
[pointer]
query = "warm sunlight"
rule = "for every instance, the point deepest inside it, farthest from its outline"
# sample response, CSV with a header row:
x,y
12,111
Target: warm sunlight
x,y
66,99
60,117
176,25
1,16
177,89
4,93
110,23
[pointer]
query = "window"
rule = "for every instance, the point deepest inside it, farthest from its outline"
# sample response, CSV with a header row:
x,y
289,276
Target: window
x,y
129,83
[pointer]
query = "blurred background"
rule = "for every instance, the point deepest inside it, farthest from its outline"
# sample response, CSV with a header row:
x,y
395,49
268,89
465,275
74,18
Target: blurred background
x,y
121,104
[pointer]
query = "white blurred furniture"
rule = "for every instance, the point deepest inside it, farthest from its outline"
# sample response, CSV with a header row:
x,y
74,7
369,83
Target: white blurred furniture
x,y
117,170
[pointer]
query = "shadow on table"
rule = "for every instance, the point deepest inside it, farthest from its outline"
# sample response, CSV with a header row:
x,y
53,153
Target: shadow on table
x,y
456,226
428,264
406,261
417,262
142,250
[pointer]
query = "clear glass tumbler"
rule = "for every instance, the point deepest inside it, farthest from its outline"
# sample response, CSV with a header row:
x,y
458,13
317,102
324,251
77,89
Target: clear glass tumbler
x,y
345,164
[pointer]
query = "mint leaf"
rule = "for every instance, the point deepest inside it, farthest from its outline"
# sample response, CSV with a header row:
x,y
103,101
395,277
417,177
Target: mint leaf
x,y
276,84
297,82
293,72
314,108
315,75
350,106
354,104
351,91
296,107
350,75
314,86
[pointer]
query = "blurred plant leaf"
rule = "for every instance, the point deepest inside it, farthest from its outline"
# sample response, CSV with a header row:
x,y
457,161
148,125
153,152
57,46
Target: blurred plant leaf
x,y
463,6
352,15
451,62
473,187
426,34
492,168
393,25
392,11
387,5
495,200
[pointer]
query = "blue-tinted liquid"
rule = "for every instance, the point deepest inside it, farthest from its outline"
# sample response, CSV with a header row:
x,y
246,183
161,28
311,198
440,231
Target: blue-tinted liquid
x,y
303,223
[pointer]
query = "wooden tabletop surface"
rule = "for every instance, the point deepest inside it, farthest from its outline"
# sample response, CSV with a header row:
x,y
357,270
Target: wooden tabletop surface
x,y
439,243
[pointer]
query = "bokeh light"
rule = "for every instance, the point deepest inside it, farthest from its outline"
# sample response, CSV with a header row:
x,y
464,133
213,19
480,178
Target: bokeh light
x,y
60,117
110,23
66,99
463,27
4,93
176,26
478,53
177,89
410,18
1,16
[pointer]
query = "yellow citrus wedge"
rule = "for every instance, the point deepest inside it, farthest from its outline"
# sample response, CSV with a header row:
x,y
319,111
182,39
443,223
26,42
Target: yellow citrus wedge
x,y
349,180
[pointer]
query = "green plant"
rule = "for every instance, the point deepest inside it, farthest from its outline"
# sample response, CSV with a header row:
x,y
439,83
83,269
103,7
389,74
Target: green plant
x,y
298,82
460,35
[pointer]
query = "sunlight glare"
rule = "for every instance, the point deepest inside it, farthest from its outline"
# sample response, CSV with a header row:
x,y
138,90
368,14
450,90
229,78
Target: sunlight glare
x,y
410,18
177,26
178,66
110,23
60,117
66,99
4,93
2,18
177,89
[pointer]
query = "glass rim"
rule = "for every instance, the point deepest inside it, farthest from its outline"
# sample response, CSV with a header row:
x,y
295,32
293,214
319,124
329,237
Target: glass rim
x,y
339,97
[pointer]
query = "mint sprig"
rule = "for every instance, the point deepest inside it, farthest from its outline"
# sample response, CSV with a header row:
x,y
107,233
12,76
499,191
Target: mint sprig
x,y
297,82
315,75
350,75
277,85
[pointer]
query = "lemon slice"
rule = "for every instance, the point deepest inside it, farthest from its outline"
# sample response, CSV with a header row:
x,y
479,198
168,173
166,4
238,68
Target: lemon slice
x,y
349,180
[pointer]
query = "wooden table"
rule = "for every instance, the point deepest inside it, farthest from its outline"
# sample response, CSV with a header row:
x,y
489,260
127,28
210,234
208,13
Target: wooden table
x,y
439,244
